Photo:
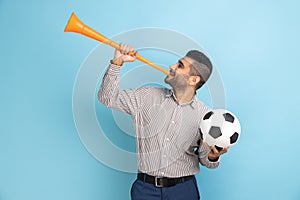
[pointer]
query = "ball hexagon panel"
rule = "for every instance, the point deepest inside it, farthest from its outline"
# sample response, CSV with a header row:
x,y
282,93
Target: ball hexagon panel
x,y
207,115
228,117
215,132
234,138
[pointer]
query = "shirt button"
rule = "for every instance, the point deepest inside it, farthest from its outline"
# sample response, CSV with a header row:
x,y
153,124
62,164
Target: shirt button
x,y
167,139
162,173
173,122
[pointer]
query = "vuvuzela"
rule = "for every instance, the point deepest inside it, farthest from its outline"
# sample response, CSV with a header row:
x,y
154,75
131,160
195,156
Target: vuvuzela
x,y
75,25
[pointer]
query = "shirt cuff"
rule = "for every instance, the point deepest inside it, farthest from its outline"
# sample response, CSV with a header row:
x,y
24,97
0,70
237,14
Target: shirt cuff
x,y
113,69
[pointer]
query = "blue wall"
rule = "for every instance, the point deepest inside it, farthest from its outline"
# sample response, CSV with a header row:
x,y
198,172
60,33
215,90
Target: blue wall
x,y
255,48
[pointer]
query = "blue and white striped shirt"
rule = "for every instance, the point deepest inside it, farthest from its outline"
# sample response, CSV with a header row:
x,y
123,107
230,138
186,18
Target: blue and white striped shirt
x,y
167,132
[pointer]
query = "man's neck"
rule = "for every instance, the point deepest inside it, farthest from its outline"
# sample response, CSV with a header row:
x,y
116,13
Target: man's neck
x,y
184,96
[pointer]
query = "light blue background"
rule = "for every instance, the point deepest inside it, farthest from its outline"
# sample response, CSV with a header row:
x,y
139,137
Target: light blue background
x,y
254,45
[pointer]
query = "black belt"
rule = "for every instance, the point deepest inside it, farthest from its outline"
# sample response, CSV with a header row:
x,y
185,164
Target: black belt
x,y
162,181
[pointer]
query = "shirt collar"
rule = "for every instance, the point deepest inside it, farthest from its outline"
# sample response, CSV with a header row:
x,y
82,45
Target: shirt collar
x,y
170,93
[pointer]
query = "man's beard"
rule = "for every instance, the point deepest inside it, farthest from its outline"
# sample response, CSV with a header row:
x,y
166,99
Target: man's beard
x,y
176,81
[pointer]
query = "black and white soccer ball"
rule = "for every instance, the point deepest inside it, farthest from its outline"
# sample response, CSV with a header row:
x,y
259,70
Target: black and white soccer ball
x,y
221,128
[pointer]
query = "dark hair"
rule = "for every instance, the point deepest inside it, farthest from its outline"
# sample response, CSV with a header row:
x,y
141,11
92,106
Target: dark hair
x,y
201,66
194,72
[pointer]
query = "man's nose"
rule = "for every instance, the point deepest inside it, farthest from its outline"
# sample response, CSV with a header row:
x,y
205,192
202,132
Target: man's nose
x,y
173,67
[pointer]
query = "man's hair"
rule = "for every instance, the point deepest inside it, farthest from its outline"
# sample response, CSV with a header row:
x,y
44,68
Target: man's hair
x,y
201,66
194,72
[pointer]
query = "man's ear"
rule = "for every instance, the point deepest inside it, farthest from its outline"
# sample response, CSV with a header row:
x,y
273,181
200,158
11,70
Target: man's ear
x,y
194,80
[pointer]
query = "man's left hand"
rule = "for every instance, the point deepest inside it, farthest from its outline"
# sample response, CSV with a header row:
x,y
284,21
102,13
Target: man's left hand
x,y
214,153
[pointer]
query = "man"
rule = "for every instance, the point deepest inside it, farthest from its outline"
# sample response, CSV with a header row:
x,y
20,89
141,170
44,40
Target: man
x,y
166,123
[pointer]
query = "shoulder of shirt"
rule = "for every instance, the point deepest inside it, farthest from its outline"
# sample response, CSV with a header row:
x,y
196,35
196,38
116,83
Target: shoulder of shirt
x,y
201,104
155,90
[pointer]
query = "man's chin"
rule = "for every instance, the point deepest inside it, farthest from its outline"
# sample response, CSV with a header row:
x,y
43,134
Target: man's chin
x,y
167,80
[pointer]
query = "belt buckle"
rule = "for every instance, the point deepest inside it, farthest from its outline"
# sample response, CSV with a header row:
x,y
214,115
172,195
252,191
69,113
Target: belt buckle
x,y
156,183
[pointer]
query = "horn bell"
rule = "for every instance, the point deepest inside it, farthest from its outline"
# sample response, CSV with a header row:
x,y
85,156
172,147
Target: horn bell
x,y
74,24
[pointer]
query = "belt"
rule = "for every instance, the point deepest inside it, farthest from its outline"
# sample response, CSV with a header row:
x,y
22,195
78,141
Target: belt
x,y
162,181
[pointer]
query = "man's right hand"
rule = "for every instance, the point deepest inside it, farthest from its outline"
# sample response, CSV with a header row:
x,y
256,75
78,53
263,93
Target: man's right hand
x,y
122,55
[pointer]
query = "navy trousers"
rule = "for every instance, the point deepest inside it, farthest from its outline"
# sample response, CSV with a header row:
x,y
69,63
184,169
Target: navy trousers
x,y
183,191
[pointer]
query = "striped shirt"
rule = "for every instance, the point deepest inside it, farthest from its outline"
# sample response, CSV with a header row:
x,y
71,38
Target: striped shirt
x,y
167,133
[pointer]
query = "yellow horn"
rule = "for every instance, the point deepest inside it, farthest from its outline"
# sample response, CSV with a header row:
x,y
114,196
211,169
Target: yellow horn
x,y
75,25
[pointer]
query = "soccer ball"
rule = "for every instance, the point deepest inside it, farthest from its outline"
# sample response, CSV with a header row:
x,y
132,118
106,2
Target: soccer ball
x,y
221,128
